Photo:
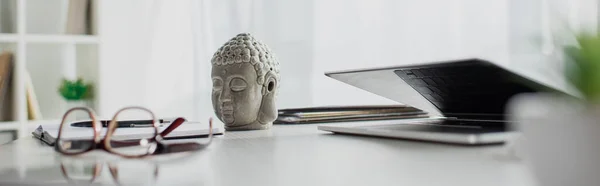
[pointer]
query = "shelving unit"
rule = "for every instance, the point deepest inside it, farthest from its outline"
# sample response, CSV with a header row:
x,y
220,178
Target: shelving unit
x,y
40,38
43,50
37,38
8,38
10,125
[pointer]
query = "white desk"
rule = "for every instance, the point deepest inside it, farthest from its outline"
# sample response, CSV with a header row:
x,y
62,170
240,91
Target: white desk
x,y
297,155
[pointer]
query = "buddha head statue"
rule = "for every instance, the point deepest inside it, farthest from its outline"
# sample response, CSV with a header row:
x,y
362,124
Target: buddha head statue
x,y
245,76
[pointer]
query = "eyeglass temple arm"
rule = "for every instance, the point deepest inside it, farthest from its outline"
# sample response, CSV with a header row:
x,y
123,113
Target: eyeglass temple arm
x,y
182,147
176,123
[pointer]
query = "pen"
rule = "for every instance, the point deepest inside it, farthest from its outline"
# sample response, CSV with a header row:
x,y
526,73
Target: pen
x,y
121,124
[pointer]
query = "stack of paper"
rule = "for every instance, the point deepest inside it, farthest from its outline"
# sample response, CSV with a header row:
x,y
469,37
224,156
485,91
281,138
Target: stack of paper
x,y
347,113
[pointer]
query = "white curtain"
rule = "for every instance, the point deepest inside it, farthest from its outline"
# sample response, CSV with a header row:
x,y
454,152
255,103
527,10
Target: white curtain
x,y
314,37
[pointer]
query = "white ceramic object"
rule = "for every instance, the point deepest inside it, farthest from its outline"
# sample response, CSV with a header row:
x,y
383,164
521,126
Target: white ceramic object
x,y
561,139
79,103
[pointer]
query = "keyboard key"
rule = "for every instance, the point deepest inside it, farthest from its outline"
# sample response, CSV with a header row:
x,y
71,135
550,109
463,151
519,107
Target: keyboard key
x,y
423,90
425,72
405,74
448,81
401,74
429,97
417,82
437,97
417,72
438,81
435,89
434,72
438,104
430,81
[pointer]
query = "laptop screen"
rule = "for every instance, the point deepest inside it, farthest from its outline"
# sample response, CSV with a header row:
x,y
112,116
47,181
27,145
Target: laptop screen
x,y
470,89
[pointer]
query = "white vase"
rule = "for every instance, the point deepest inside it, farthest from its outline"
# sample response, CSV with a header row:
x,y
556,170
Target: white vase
x,y
561,139
79,103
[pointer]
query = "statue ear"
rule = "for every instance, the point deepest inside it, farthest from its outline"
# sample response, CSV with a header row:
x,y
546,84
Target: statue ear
x,y
270,83
268,110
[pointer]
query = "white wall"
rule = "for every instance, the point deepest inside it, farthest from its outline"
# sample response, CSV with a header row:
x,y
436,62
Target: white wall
x,y
284,25
484,29
309,39
366,34
45,64
125,29
149,60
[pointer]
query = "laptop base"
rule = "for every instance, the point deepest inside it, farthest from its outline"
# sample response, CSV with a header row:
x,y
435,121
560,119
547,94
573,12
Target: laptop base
x,y
463,135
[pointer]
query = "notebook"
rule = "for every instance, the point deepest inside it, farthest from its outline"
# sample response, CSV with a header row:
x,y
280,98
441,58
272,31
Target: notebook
x,y
48,132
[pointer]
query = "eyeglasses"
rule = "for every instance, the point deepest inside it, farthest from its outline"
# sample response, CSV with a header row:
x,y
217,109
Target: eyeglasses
x,y
146,140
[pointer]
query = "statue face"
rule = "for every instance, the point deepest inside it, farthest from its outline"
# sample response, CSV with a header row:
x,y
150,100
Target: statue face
x,y
236,95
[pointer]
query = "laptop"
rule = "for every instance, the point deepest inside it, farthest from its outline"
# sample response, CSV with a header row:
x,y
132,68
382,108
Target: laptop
x,y
467,98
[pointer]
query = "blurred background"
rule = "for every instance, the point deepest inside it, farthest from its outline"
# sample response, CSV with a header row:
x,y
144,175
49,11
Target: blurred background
x,y
156,53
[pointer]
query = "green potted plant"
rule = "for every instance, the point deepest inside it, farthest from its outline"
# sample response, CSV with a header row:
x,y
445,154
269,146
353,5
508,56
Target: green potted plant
x,y
76,92
561,134
583,67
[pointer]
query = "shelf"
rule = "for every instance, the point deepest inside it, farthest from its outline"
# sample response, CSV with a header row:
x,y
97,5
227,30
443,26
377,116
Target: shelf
x,y
35,30
29,125
9,125
9,38
43,38
77,39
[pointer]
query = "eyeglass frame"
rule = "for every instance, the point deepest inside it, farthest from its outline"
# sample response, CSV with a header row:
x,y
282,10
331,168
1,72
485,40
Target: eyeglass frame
x,y
105,143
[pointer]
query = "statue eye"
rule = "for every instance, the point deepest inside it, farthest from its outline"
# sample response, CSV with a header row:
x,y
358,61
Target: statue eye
x,y
217,84
238,84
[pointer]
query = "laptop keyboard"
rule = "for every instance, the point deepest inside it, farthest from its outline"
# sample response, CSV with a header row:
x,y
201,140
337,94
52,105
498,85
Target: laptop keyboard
x,y
465,88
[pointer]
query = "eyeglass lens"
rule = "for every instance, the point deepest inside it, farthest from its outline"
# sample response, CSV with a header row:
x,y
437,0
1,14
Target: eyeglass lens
x,y
76,139
137,138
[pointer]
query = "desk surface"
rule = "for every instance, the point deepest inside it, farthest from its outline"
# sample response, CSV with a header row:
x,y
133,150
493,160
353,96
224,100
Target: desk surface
x,y
292,155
